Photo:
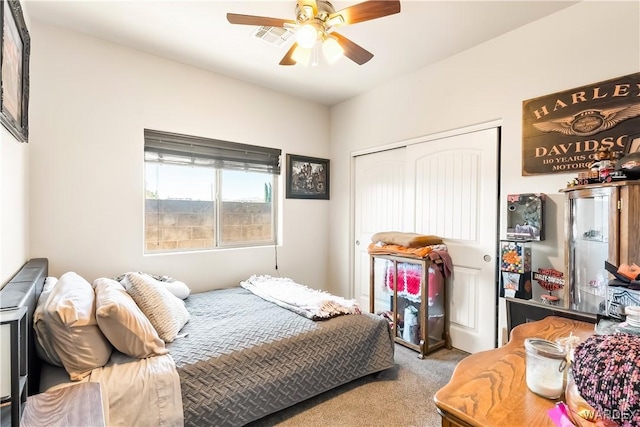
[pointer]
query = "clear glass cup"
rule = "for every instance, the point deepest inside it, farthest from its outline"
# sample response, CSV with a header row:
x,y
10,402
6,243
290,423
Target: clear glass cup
x,y
545,367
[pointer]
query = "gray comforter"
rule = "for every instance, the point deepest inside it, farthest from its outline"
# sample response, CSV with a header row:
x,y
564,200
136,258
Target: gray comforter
x,y
244,358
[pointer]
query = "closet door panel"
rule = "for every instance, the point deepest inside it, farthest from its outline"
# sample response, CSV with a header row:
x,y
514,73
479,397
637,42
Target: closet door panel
x,y
451,190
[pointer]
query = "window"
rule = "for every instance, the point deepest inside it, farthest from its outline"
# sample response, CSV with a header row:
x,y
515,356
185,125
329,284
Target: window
x,y
204,193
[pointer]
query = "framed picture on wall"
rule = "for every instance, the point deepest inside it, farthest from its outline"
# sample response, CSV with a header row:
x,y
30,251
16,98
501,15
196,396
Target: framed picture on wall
x,y
16,46
307,177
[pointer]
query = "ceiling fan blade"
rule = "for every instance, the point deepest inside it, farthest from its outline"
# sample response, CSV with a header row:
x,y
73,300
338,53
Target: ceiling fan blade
x,y
287,58
311,4
354,52
364,11
235,18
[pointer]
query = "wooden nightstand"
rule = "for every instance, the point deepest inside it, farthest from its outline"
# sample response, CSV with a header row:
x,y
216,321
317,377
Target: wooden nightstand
x,y
76,405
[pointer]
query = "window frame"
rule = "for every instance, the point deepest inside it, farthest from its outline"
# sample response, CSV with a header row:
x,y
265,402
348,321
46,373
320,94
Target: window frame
x,y
221,155
254,243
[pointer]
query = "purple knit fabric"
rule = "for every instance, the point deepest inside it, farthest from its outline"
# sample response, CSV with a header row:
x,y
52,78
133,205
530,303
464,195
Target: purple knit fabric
x,y
606,370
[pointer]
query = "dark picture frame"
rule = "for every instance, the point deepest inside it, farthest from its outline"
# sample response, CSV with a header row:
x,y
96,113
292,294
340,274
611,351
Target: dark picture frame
x,y
307,177
14,57
633,143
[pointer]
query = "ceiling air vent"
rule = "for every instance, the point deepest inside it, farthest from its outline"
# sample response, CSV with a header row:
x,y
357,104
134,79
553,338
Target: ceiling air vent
x,y
273,35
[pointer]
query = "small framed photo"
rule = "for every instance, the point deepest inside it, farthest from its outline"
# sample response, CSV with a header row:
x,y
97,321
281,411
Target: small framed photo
x,y
16,46
307,177
633,143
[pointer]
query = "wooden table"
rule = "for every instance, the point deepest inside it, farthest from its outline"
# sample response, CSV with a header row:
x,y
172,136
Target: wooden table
x,y
489,388
76,405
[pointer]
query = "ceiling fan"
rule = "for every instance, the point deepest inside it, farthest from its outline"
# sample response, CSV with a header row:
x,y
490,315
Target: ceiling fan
x,y
315,22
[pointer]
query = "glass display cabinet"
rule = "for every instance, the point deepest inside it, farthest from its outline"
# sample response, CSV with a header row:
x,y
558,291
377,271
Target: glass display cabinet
x,y
406,291
602,223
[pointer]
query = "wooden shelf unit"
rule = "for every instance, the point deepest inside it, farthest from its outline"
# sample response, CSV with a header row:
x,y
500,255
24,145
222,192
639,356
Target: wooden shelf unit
x,y
433,332
601,224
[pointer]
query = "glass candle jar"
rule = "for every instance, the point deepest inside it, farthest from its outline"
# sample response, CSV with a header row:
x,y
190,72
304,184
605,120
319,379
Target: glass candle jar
x,y
545,365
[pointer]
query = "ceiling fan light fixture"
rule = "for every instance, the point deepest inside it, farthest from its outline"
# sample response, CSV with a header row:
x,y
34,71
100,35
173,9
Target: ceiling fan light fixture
x,y
315,55
301,55
332,50
336,20
308,11
313,25
307,35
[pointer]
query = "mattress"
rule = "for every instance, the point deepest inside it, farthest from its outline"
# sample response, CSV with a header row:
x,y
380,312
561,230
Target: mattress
x,y
241,358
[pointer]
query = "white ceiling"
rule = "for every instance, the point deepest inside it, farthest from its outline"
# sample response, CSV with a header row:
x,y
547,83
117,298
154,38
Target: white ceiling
x,y
197,33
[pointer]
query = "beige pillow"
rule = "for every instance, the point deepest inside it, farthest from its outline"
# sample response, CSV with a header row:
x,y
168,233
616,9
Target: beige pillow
x,y
177,288
408,240
70,313
44,340
123,323
165,311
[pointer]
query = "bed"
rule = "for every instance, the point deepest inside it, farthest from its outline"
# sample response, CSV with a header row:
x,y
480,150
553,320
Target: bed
x,y
238,359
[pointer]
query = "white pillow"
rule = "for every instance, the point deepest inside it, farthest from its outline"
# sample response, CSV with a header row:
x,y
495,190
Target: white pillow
x,y
166,312
177,288
70,313
43,341
123,323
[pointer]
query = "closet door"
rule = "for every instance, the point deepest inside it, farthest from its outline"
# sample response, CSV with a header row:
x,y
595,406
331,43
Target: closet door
x,y
379,189
451,190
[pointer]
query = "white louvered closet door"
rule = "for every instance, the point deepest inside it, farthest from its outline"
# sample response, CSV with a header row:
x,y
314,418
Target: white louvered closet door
x,y
451,190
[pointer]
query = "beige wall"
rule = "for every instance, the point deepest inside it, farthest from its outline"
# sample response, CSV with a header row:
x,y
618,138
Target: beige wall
x,y
14,201
576,46
91,101
14,206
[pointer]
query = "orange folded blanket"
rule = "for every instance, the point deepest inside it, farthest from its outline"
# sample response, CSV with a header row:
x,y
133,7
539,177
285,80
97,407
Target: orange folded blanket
x,y
420,252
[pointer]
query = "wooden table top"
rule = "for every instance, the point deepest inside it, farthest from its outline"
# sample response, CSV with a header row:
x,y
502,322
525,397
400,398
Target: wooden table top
x,y
489,388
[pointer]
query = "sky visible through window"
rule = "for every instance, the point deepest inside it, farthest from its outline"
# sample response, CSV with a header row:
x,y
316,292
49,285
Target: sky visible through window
x,y
198,183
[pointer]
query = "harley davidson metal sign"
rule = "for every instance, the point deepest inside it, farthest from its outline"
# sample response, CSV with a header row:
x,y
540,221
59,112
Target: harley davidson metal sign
x,y
563,131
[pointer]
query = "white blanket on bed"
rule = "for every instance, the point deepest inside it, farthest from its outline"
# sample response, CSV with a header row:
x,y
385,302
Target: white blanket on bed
x,y
152,383
135,392
310,303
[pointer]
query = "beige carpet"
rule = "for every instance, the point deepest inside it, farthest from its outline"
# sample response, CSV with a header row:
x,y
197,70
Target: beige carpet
x,y
400,396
